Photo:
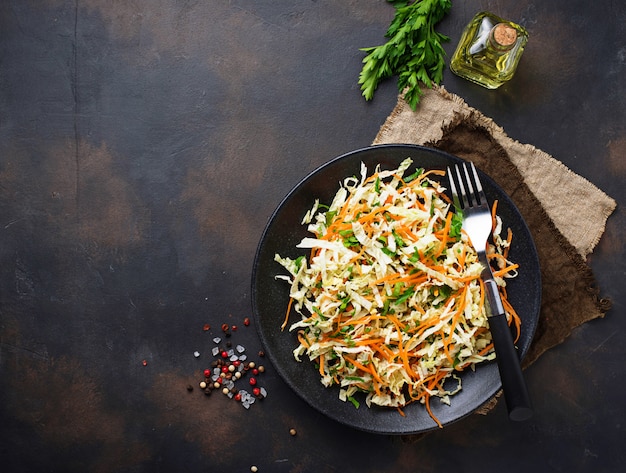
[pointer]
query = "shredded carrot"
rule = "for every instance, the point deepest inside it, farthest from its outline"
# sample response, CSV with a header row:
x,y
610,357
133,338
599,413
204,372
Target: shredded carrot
x,y
445,234
430,412
508,269
302,339
509,239
494,208
436,172
284,324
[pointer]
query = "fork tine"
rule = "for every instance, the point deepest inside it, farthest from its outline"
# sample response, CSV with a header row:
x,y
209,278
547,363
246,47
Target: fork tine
x,y
463,194
472,195
455,193
479,188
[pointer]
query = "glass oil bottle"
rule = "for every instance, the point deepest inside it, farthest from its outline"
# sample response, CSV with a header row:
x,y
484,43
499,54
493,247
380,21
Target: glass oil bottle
x,y
489,50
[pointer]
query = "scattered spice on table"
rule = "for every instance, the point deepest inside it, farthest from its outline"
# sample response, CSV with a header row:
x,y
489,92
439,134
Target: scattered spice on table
x,y
230,366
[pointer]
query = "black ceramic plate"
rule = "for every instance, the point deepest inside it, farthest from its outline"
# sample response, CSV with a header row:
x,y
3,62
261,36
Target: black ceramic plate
x,y
270,296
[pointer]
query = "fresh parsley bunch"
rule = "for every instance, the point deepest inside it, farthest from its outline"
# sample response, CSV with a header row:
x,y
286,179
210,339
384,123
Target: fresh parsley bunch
x,y
414,52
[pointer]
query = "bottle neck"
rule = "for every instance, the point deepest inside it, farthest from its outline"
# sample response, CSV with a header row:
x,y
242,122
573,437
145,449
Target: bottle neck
x,y
502,37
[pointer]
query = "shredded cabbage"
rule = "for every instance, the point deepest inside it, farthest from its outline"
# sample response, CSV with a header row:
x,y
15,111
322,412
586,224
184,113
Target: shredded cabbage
x,y
390,299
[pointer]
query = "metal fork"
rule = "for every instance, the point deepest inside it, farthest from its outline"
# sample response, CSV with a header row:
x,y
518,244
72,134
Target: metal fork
x,y
477,224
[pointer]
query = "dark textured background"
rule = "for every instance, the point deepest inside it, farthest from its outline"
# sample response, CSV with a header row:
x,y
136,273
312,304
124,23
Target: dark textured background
x,y
144,145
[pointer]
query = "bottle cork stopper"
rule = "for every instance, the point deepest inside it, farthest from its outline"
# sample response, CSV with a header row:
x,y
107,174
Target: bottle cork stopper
x,y
504,35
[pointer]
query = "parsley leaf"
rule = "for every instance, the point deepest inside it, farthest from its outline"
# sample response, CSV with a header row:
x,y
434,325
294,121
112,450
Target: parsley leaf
x,y
413,51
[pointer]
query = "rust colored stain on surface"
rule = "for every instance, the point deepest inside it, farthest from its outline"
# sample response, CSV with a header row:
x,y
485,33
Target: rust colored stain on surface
x,y
77,188
212,424
65,406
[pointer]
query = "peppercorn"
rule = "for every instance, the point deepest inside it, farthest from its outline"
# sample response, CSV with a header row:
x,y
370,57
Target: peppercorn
x,y
292,432
189,387
246,321
252,381
202,385
261,369
261,353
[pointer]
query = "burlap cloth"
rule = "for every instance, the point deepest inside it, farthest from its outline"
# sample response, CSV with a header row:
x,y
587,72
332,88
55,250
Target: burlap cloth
x,y
565,213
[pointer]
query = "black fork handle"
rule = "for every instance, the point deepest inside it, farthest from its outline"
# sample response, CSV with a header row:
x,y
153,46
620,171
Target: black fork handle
x,y
513,383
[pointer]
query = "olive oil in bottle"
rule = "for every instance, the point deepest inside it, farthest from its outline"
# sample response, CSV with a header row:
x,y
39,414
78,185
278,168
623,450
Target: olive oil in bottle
x,y
489,50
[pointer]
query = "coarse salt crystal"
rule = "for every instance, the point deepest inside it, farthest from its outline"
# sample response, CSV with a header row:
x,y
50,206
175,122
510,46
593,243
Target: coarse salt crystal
x,y
196,354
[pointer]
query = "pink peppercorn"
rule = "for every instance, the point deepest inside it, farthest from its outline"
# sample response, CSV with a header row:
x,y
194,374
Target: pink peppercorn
x,y
207,373
252,381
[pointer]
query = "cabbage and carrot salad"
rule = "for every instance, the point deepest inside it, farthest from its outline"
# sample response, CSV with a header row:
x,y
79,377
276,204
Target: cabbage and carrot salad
x,y
390,298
